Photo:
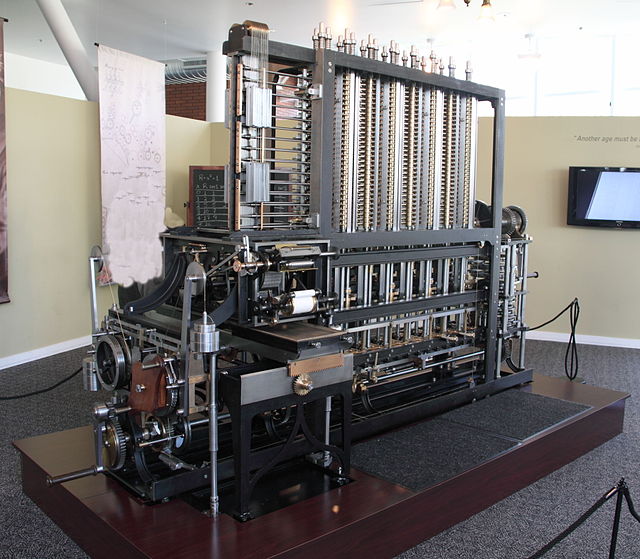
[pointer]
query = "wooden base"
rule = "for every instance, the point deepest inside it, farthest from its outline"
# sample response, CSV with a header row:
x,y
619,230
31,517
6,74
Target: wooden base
x,y
368,518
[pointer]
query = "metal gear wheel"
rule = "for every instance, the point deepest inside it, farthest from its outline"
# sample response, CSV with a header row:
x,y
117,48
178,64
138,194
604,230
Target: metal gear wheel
x,y
114,445
113,362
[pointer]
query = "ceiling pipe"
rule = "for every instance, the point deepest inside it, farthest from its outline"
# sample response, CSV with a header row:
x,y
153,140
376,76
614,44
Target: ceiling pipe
x,y
73,49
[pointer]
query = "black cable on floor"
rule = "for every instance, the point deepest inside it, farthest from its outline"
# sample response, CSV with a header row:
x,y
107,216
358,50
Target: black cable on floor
x,y
571,355
42,390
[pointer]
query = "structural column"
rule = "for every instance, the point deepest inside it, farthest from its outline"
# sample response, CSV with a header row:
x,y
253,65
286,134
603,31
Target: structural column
x,y
216,85
71,46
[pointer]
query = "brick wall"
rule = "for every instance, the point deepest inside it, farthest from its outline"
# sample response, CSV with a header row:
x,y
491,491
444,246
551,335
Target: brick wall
x,y
188,100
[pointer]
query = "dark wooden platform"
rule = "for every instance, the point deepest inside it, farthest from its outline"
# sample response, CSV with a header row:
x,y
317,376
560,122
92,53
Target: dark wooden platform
x,y
368,518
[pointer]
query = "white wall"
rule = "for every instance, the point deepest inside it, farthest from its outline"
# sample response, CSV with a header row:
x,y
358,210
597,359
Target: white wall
x,y
22,72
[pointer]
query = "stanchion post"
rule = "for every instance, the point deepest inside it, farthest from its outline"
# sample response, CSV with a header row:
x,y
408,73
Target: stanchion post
x,y
620,490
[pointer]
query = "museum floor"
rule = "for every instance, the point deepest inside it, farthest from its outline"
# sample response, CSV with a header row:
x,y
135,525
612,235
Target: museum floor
x,y
513,528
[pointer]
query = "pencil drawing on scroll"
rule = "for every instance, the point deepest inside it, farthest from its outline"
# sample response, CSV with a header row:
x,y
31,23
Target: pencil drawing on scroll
x,y
4,257
132,151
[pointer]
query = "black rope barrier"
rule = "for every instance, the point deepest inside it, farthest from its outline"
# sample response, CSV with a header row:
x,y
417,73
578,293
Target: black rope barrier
x,y
621,491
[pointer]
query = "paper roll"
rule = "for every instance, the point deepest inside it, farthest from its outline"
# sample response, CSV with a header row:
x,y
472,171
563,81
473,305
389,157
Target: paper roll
x,y
303,301
303,293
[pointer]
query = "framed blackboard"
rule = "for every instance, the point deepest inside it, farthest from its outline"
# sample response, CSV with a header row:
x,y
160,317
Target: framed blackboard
x,y
207,200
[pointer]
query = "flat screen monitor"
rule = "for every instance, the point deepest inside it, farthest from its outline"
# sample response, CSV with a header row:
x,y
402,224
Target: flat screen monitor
x,y
604,197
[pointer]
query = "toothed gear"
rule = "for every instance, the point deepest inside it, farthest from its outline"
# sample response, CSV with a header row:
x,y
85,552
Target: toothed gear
x,y
521,216
509,221
114,443
172,393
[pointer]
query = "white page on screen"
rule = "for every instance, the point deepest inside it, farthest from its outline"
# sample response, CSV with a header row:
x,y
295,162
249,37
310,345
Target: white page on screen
x,y
616,197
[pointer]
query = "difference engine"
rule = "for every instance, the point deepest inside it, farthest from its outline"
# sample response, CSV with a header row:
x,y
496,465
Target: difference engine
x,y
352,282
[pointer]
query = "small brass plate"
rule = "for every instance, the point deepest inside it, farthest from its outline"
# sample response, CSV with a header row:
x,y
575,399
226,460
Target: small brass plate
x,y
316,364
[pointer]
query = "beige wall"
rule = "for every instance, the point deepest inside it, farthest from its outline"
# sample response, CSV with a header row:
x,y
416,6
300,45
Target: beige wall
x,y
188,143
219,144
600,266
54,209
53,166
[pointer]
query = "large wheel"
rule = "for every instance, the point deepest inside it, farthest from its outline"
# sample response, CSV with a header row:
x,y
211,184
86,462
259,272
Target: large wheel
x,y
113,362
114,445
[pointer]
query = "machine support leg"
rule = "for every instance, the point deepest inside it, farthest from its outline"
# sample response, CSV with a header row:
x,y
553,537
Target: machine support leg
x,y
214,501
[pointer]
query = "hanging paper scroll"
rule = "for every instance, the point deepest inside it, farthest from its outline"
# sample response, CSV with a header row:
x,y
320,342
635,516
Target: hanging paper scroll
x,y
132,137
4,257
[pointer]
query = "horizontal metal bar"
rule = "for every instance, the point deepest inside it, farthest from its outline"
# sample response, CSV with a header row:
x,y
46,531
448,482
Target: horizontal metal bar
x,y
352,62
409,238
296,129
415,305
252,204
435,404
273,149
269,160
277,51
405,255
274,225
288,74
258,81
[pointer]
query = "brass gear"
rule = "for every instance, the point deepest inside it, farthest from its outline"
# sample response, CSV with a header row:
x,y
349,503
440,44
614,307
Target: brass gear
x,y
302,385
114,445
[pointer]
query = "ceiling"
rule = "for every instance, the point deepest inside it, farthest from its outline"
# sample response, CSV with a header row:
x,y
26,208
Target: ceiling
x,y
167,29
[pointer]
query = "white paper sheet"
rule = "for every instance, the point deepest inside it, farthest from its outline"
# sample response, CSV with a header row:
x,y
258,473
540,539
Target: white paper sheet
x,y
132,138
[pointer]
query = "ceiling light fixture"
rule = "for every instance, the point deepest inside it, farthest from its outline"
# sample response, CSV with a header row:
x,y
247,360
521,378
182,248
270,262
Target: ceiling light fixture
x,y
446,5
486,11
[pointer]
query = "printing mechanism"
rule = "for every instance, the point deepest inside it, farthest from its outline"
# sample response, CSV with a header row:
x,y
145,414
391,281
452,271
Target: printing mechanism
x,y
354,282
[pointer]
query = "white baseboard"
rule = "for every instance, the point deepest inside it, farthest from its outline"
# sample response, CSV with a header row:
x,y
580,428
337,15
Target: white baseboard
x,y
584,339
20,358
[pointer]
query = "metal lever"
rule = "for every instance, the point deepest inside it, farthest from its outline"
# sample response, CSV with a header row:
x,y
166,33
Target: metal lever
x,y
92,471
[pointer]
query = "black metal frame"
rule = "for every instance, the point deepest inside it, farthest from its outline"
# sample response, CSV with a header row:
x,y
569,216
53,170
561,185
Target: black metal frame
x,y
324,65
250,466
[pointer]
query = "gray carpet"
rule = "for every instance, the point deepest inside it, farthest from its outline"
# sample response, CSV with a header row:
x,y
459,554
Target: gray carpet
x,y
26,532
426,453
514,414
511,529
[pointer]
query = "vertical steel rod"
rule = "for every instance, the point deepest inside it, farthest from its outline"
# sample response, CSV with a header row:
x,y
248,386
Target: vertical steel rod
x,y
214,500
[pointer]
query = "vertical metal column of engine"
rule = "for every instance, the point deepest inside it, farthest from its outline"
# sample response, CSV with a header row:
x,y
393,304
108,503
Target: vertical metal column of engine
x,y
322,122
524,271
205,342
194,284
200,338
492,359
89,370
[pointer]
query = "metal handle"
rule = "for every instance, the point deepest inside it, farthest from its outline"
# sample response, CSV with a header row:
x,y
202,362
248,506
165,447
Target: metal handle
x,y
55,480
